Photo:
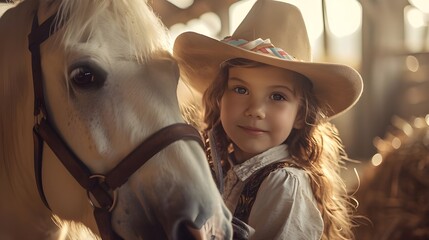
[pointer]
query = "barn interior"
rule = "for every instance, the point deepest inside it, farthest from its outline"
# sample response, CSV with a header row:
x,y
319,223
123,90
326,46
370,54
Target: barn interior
x,y
386,41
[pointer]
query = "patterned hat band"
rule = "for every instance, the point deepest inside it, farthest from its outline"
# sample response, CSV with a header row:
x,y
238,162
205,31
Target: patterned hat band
x,y
261,46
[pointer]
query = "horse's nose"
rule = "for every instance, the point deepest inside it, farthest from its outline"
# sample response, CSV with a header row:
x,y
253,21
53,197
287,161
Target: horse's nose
x,y
215,227
186,230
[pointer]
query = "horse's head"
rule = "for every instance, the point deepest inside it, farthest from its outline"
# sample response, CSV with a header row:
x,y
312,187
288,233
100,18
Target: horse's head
x,y
109,84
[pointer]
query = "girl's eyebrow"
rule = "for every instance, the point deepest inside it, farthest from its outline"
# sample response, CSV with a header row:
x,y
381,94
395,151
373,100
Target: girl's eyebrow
x,y
273,86
236,79
284,87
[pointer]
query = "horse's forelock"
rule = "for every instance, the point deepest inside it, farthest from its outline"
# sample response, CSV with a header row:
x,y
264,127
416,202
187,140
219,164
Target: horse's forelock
x,y
142,28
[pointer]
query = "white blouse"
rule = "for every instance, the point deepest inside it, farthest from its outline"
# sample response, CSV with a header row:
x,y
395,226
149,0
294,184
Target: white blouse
x,y
284,207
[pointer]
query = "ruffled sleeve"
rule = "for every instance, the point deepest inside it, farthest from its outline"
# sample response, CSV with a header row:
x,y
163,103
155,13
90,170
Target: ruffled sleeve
x,y
285,208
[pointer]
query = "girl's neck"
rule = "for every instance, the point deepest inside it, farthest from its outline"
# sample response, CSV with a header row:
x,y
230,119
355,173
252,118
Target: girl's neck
x,y
276,153
240,156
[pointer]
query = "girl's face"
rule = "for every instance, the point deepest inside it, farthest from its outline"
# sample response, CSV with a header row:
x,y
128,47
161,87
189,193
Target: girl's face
x,y
259,108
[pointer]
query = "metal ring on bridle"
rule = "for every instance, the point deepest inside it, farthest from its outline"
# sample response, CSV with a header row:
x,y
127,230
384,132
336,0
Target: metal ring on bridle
x,y
90,196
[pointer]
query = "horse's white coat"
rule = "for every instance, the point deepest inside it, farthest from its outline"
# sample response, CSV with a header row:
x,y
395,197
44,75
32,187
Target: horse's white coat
x,y
101,125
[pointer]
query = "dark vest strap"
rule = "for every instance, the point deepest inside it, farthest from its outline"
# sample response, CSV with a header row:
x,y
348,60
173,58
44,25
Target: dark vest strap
x,y
248,195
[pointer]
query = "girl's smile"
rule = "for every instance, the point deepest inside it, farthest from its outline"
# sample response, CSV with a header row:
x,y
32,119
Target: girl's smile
x,y
252,130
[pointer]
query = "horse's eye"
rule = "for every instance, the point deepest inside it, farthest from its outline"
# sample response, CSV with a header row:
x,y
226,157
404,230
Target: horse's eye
x,y
82,76
86,76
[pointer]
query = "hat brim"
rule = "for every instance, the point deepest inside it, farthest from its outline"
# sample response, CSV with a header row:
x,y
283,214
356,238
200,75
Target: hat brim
x,y
338,86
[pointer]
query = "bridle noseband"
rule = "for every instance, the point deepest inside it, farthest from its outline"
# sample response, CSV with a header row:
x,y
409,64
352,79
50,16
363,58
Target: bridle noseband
x,y
101,188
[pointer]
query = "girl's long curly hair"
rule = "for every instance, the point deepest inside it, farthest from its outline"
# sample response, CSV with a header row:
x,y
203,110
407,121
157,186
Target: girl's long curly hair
x,y
316,148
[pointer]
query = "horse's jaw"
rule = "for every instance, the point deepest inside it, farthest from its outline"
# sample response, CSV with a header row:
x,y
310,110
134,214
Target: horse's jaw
x,y
160,203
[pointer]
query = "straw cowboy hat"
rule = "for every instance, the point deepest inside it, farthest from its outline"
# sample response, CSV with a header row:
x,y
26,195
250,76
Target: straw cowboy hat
x,y
273,33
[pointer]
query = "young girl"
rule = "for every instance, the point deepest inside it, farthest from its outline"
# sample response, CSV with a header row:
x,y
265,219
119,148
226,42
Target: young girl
x,y
267,107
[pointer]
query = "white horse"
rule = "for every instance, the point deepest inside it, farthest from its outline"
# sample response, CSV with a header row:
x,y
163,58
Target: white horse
x,y
107,83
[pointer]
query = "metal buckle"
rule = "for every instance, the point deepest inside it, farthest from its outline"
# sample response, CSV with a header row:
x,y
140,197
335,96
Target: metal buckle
x,y
93,201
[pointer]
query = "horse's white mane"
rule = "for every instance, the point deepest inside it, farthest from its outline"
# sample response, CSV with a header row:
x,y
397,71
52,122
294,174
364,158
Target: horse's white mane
x,y
145,31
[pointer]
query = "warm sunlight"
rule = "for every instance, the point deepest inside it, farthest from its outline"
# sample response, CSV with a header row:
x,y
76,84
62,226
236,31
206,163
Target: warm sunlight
x,y
423,5
183,4
344,17
4,7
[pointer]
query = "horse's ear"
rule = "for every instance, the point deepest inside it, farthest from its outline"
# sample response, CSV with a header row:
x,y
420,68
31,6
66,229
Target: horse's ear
x,y
50,3
47,8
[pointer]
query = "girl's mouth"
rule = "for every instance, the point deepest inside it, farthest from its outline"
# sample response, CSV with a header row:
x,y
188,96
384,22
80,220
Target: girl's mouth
x,y
252,130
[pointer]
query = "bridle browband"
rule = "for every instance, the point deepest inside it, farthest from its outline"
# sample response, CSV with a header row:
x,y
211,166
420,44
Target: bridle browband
x,y
101,188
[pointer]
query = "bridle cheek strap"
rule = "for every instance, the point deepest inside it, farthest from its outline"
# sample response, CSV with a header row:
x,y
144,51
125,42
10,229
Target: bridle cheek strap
x,y
101,188
130,164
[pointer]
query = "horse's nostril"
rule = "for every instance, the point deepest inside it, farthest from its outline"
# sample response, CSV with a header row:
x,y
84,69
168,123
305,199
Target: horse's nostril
x,y
196,233
185,231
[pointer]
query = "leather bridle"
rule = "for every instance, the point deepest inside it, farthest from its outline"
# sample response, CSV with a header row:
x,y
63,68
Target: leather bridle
x,y
101,188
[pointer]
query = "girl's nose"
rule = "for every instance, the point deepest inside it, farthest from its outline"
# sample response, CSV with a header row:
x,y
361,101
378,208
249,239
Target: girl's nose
x,y
255,109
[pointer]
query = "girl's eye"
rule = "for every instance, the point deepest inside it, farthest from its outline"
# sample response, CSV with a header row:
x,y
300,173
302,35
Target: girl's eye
x,y
240,90
278,97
